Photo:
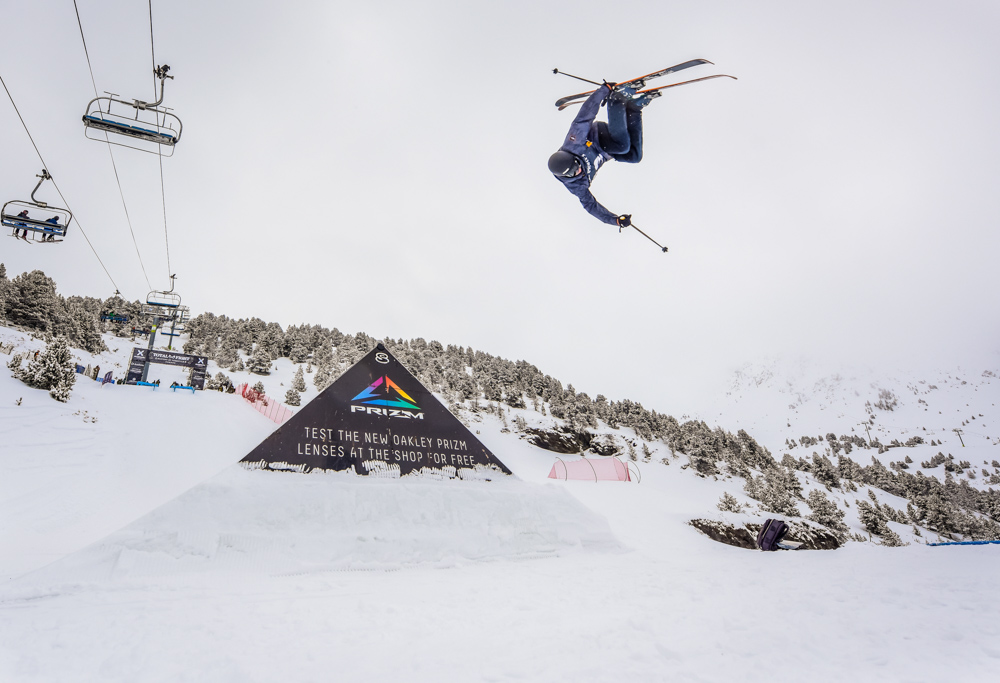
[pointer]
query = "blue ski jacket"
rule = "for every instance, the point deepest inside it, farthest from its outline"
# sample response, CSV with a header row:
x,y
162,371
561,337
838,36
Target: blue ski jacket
x,y
582,142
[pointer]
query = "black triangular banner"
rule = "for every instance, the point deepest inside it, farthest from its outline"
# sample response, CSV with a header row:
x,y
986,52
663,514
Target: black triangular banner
x,y
378,419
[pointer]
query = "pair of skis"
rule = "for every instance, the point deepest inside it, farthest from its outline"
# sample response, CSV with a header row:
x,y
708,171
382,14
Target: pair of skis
x,y
25,238
639,83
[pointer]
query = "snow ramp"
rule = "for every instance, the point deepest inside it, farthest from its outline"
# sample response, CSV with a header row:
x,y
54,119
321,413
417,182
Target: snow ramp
x,y
279,524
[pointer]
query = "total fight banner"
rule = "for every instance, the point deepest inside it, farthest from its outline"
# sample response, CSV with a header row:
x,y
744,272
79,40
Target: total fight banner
x,y
142,356
377,419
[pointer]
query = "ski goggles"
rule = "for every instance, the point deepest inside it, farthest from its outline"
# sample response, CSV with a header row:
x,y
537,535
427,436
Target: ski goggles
x,y
572,170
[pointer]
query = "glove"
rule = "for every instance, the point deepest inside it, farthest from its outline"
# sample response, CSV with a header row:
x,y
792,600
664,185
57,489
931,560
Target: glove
x,y
625,220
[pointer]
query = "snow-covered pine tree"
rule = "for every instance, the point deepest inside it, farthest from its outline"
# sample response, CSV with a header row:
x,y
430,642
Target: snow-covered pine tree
x,y
220,381
4,290
292,398
87,328
227,354
299,353
825,511
728,503
874,520
260,362
32,300
258,387
324,377
298,381
54,369
824,471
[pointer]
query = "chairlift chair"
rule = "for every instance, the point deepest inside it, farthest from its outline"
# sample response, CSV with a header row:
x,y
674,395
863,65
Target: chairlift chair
x,y
163,299
36,228
156,124
163,304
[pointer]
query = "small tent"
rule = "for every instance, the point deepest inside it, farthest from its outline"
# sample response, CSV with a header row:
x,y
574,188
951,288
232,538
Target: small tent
x,y
594,469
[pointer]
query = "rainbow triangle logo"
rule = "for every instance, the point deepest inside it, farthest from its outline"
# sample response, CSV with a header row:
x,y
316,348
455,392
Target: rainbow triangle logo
x,y
391,395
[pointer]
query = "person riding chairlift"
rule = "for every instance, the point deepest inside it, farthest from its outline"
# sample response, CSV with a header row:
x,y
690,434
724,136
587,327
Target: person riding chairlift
x,y
51,237
23,214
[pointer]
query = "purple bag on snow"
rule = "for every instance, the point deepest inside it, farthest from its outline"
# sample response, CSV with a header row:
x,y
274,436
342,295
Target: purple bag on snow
x,y
771,534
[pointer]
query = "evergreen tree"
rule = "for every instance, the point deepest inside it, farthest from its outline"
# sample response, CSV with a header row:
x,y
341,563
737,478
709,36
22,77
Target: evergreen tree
x,y
825,511
54,369
87,331
874,520
4,292
298,353
260,362
292,398
322,355
227,352
220,381
824,471
15,363
728,503
324,377
31,300
775,490
271,340
298,381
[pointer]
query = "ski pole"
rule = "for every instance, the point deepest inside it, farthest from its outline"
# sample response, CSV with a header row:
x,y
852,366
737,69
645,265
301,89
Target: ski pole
x,y
585,80
648,237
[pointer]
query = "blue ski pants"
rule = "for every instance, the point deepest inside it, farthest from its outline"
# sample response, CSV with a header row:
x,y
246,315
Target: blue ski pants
x,y
621,136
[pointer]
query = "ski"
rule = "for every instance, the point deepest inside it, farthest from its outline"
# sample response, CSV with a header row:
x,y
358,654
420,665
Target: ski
x,y
656,92
636,83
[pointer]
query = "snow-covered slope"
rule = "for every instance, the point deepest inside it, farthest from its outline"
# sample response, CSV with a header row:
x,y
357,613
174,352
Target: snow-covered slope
x,y
777,401
135,550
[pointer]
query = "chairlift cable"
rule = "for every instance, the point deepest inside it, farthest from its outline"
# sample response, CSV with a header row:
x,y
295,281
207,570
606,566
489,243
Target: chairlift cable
x,y
163,194
152,48
159,148
54,184
121,192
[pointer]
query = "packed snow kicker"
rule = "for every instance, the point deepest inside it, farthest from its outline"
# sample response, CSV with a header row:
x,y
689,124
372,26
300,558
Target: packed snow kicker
x,y
127,521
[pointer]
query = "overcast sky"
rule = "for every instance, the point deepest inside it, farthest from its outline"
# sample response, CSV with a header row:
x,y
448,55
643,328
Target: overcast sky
x,y
380,167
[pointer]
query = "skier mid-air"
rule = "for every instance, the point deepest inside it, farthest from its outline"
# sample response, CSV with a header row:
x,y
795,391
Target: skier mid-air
x,y
590,143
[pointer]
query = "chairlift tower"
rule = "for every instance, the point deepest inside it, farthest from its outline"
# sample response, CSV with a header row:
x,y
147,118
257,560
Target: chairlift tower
x,y
162,305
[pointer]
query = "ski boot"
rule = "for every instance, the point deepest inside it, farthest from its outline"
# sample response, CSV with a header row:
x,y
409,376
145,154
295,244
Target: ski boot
x,y
622,94
640,101
631,97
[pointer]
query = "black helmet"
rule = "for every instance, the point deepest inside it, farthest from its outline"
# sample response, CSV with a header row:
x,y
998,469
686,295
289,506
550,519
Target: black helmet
x,y
564,164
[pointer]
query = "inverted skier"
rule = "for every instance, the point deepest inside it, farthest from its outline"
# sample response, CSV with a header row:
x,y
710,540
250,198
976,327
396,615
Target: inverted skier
x,y
590,143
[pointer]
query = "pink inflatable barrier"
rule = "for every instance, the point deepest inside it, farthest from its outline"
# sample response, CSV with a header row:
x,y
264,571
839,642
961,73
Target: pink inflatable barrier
x,y
594,469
